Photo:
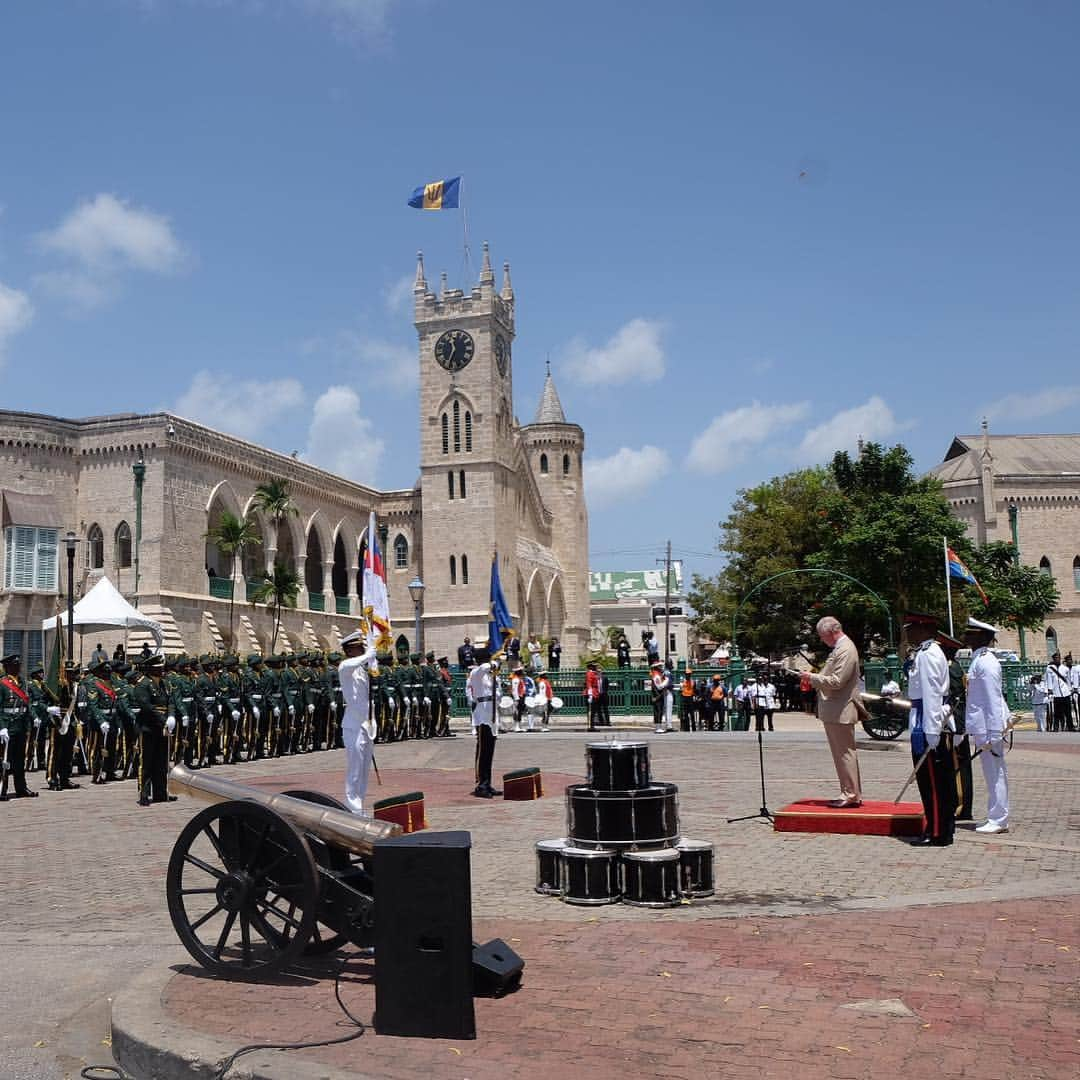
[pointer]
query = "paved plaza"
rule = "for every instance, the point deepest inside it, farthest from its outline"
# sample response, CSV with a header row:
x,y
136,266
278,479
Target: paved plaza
x,y
819,956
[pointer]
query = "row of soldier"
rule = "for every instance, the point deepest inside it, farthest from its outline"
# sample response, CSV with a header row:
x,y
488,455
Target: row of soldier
x,y
212,710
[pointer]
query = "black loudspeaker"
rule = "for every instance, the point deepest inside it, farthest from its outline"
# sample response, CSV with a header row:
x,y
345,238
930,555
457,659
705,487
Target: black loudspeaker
x,y
496,969
423,936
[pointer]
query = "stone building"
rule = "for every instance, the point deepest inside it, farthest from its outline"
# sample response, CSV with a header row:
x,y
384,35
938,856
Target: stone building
x,y
486,484
996,484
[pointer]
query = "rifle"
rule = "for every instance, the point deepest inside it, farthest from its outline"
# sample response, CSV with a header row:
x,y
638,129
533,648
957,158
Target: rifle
x,y
81,747
6,767
102,757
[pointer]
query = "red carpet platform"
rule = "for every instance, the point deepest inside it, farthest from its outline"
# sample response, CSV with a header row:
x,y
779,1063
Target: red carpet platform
x,y
870,819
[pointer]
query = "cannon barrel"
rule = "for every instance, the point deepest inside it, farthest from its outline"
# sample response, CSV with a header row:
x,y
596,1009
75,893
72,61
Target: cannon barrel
x,y
893,702
336,827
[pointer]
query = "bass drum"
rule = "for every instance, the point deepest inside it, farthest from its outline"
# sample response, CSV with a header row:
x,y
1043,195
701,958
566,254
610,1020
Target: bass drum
x,y
651,878
617,766
648,817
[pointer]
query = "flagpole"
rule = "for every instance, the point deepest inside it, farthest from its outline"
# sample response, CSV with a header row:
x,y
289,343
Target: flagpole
x,y
948,582
465,228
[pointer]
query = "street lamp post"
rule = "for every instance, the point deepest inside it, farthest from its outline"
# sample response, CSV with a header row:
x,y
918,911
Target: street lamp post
x,y
416,591
139,472
69,542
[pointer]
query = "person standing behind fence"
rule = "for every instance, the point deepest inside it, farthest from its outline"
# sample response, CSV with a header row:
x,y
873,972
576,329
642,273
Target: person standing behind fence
x,y
764,703
715,704
1060,691
688,702
1038,702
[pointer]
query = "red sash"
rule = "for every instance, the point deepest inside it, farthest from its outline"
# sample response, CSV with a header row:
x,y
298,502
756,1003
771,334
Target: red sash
x,y
106,688
16,689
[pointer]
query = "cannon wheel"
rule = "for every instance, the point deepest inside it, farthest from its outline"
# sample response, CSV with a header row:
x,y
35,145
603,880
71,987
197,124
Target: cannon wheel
x,y
883,726
323,938
243,890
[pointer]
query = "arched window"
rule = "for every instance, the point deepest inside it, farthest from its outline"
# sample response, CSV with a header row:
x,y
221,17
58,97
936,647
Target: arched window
x,y
453,570
461,484
1044,567
543,463
123,545
457,427
95,548
464,569
401,552
445,434
566,464
1051,642
1076,573
468,431
450,482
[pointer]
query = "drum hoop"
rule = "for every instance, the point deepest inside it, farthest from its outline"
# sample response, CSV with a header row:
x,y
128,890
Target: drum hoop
x,y
652,855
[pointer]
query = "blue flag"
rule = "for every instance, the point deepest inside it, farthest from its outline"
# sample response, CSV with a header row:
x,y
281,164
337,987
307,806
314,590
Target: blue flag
x,y
500,625
438,195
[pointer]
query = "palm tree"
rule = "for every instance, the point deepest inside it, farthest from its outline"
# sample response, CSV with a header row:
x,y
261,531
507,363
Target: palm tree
x,y
231,536
274,499
277,590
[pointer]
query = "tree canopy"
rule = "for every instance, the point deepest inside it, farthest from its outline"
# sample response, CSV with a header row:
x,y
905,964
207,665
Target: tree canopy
x,y
869,517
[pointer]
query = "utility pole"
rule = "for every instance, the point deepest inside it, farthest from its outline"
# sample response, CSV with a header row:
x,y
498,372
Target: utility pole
x,y
667,603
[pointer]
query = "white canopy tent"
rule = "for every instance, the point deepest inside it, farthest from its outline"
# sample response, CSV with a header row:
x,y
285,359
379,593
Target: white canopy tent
x,y
103,608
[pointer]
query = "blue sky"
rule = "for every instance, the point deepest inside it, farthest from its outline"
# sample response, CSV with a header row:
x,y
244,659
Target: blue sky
x,y
744,233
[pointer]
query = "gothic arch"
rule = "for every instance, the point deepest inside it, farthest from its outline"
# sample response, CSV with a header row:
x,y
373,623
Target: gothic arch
x,y
447,404
95,547
222,498
556,604
536,598
224,494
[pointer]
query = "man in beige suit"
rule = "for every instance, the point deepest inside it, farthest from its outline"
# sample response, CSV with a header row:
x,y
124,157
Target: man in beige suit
x,y
837,686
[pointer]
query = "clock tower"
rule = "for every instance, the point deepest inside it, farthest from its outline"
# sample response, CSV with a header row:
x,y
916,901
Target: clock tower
x,y
467,446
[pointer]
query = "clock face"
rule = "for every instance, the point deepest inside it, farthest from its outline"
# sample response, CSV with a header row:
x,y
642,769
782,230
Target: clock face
x,y
502,354
454,350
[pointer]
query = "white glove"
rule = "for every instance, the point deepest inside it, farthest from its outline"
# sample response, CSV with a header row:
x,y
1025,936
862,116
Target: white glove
x,y
236,716
292,710
3,735
170,724
415,703
946,711
427,701
186,720
104,729
310,710
277,712
255,712
219,709
53,710
333,706
392,702
932,741
37,722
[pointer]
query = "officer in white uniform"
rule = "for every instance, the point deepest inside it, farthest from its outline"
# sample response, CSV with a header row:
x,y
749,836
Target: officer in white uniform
x,y
481,689
987,719
357,726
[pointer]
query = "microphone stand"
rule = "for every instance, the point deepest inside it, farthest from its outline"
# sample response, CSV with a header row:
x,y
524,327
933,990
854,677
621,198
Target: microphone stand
x,y
764,813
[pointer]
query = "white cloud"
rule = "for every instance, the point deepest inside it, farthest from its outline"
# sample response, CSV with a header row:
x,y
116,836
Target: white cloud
x,y
871,421
734,434
625,474
341,440
106,233
101,239
1033,405
241,407
16,314
398,295
633,353
383,363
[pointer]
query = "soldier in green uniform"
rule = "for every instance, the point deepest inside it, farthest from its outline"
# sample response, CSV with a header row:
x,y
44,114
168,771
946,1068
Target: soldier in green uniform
x,y
335,703
16,725
306,702
446,694
41,700
62,732
230,692
128,736
104,722
255,710
152,703
431,701
412,686
207,711
273,689
290,689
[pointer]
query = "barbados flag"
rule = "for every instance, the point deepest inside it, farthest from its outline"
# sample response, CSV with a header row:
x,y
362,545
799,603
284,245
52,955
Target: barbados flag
x,y
958,569
438,195
500,625
376,600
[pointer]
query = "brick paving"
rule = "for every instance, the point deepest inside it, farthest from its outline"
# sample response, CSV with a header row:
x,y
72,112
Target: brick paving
x,y
993,964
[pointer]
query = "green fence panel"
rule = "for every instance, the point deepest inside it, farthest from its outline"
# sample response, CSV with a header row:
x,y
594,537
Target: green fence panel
x,y
341,605
316,601
221,588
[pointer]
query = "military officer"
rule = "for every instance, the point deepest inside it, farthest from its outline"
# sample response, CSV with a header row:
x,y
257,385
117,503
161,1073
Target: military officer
x,y
230,693
415,691
961,744
290,688
988,719
62,732
208,711
446,694
255,711
357,727
104,722
482,691
932,727
335,701
432,695
128,726
16,724
152,703
43,709
274,696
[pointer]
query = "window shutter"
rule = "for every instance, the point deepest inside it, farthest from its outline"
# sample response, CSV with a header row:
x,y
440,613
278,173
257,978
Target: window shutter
x,y
23,568
46,560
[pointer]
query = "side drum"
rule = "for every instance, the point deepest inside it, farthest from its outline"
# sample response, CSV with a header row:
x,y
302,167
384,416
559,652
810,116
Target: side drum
x,y
589,876
695,868
647,817
651,878
549,866
617,766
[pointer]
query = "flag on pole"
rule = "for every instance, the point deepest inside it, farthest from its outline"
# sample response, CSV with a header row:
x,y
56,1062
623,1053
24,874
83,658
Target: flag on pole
x,y
438,195
500,625
55,673
958,569
376,600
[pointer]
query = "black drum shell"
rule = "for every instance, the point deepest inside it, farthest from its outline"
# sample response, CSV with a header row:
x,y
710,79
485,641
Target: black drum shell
x,y
617,766
549,866
589,876
650,878
638,818
696,863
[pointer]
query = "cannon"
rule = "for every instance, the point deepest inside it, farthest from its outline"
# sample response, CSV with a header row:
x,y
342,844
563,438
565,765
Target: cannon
x,y
888,716
256,880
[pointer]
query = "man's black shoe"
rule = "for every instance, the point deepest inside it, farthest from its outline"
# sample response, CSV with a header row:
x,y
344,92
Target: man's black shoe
x,y
493,793
482,793
26,794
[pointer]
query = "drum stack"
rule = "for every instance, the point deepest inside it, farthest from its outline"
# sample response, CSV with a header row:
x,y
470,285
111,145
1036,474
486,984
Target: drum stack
x,y
623,841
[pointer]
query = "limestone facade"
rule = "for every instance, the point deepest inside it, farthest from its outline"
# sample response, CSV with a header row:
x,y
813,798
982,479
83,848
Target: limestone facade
x,y
522,496
992,481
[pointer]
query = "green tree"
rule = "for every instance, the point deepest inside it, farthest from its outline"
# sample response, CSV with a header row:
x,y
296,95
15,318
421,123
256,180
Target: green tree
x,y
279,589
772,527
231,536
274,499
